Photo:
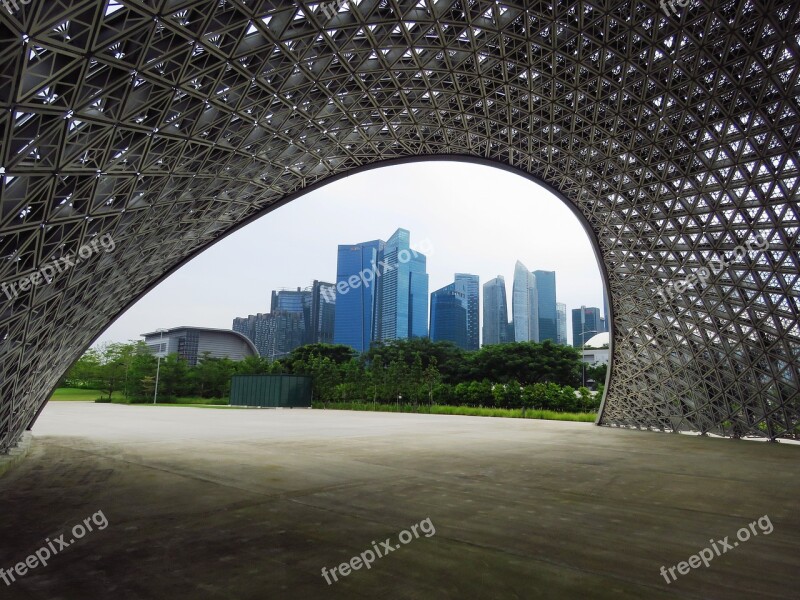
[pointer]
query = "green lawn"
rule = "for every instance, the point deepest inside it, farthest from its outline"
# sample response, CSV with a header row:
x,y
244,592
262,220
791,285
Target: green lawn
x,y
472,411
80,395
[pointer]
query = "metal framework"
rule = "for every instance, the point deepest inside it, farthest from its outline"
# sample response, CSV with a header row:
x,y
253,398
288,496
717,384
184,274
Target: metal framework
x,y
166,124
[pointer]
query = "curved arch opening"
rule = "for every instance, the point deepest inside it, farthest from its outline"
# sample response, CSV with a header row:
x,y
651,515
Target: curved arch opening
x,y
489,207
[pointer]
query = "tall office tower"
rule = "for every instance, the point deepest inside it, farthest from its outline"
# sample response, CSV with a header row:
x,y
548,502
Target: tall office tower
x,y
586,323
254,327
403,290
286,331
357,307
449,310
606,316
548,315
273,334
296,302
561,324
323,312
469,285
496,327
524,305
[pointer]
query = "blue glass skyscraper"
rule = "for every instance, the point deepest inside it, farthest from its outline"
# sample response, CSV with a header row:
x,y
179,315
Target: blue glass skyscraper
x,y
496,327
403,290
546,298
524,305
586,323
356,307
449,308
469,285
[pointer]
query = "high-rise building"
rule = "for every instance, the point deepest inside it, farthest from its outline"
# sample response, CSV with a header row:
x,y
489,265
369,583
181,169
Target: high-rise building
x,y
297,317
357,307
469,285
546,302
294,301
403,290
606,316
586,322
561,324
496,327
449,309
524,305
255,328
323,312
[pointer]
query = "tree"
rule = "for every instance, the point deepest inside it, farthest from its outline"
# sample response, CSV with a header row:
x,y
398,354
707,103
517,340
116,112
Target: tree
x,y
448,357
253,365
527,362
173,378
337,353
85,373
431,378
115,359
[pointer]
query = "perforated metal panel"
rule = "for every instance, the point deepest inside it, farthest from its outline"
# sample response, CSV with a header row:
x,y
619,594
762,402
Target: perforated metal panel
x,y
165,123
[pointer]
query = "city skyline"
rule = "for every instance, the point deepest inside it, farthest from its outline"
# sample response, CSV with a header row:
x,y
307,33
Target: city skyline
x,y
467,233
450,306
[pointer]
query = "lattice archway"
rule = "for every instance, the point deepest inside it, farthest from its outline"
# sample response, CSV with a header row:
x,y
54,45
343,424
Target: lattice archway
x,y
164,124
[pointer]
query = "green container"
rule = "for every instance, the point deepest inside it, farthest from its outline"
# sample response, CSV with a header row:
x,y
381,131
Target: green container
x,y
271,391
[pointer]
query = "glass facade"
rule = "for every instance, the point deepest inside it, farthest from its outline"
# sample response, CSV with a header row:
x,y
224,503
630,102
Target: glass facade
x,y
469,285
323,312
586,322
525,305
546,301
403,285
356,307
449,309
561,321
496,327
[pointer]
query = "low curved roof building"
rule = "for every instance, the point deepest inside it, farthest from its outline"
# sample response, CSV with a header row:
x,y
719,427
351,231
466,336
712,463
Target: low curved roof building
x,y
192,343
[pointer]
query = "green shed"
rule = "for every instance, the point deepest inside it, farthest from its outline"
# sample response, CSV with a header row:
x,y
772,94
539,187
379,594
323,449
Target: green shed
x,y
271,391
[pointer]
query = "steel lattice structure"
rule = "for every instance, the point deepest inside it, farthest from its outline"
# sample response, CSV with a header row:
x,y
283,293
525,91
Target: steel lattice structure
x,y
167,123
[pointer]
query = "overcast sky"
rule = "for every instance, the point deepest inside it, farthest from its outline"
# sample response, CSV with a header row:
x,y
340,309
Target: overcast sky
x,y
477,219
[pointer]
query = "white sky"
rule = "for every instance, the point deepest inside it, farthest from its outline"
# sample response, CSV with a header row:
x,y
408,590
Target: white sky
x,y
478,219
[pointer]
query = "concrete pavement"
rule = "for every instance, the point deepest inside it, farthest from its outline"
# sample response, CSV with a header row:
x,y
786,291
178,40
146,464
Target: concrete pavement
x,y
252,504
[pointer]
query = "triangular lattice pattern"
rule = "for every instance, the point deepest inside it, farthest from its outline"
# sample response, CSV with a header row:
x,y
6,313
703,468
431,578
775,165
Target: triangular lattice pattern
x,y
166,123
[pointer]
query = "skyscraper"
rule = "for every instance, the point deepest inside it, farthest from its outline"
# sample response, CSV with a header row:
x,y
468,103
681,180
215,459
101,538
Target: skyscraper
x,y
273,334
356,307
469,285
403,289
323,312
496,328
296,317
546,295
524,305
561,324
586,322
449,309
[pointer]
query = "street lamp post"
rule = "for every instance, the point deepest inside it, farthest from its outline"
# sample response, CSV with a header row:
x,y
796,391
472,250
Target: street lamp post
x,y
158,366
